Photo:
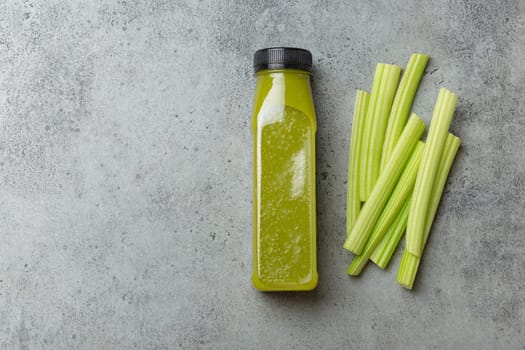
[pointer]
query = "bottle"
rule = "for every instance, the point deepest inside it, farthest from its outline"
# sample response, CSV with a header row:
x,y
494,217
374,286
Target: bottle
x,y
284,127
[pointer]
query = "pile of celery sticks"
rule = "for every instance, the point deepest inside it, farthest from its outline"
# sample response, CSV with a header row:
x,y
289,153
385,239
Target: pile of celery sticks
x,y
395,180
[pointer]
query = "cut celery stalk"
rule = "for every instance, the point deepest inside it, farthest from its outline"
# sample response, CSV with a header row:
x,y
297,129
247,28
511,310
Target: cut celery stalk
x,y
437,134
386,248
445,163
395,204
379,121
403,102
410,262
374,93
353,202
359,261
381,193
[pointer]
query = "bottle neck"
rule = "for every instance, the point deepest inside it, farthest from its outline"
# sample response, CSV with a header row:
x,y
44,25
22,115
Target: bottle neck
x,y
283,72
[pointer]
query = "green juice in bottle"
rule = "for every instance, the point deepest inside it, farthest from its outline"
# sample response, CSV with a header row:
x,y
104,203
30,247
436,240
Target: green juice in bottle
x,y
284,127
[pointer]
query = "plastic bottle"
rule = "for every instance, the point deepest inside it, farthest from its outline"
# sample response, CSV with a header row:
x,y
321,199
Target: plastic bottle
x,y
284,126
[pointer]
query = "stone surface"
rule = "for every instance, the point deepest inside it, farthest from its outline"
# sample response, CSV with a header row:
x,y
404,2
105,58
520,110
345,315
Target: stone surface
x,y
125,175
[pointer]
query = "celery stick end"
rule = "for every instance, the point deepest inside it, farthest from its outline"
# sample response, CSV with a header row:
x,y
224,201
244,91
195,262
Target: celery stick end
x,y
408,270
356,266
405,284
352,245
352,272
380,263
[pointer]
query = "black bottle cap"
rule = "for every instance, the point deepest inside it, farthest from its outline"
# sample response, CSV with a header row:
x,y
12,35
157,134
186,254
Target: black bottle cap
x,y
282,57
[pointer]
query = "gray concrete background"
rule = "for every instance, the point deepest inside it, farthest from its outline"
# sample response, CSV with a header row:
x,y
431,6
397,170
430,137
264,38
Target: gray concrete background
x,y
125,162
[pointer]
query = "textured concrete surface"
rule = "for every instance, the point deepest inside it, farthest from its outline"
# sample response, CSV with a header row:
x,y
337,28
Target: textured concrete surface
x,y
125,175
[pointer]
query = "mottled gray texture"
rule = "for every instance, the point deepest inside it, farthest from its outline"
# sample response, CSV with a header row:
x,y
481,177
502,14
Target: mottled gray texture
x,y
125,168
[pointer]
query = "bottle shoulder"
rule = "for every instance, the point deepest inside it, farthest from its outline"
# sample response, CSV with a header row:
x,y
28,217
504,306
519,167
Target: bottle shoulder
x,y
278,93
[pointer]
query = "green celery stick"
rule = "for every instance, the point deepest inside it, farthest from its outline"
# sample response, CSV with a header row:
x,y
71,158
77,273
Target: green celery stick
x,y
379,121
360,261
450,150
374,92
409,262
353,202
394,206
372,209
386,248
403,102
437,134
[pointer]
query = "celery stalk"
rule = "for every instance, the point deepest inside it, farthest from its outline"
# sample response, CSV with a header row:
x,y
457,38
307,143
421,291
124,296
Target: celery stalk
x,y
437,134
360,261
386,248
353,202
403,102
449,153
379,121
409,262
395,204
372,209
374,92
